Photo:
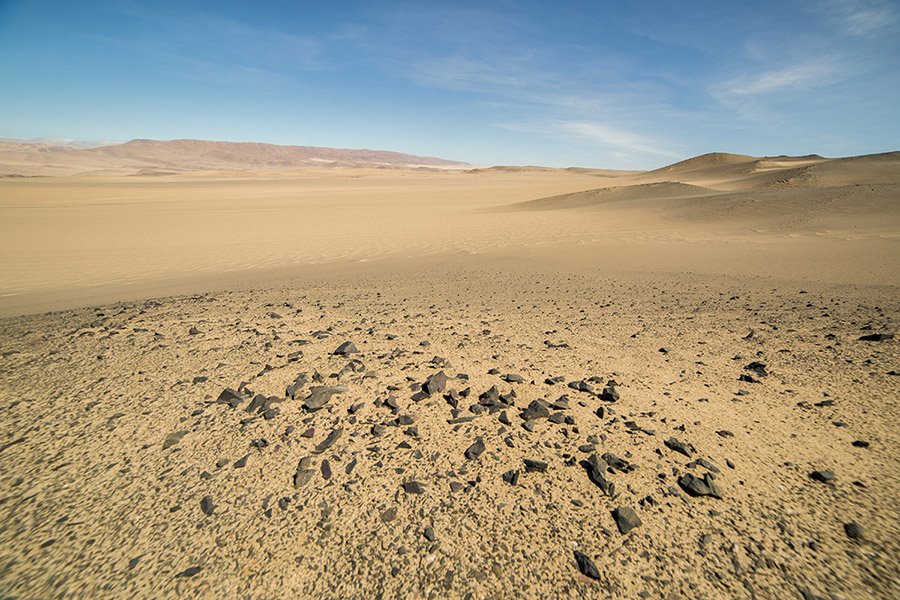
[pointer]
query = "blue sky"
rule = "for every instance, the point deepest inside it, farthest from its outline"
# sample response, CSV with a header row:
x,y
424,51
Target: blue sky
x,y
583,83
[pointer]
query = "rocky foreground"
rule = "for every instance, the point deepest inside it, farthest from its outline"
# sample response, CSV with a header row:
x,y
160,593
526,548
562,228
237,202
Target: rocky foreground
x,y
477,435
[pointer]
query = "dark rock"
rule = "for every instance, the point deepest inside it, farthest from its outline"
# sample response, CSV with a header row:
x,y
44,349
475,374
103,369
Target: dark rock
x,y
429,533
329,441
557,417
876,337
535,466
189,572
241,462
609,393
586,565
413,487
511,477
325,467
435,384
626,519
207,505
173,438
596,469
231,397
618,464
271,414
695,486
822,476
504,418
537,409
345,349
757,367
320,395
513,378
686,449
389,515
256,404
860,444
194,331
554,380
582,386
702,462
853,530
724,433
475,450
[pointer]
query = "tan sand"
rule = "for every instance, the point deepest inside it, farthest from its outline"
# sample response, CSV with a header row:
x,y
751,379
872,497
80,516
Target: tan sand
x,y
208,281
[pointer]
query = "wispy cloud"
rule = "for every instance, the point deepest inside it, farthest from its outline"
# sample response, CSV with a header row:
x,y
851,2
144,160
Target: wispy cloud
x,y
616,137
796,77
865,18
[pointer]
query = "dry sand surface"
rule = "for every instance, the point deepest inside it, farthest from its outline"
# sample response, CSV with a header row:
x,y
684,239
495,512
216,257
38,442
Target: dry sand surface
x,y
678,383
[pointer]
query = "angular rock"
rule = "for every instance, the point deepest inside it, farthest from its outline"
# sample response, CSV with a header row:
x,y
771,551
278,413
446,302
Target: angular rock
x,y
207,505
876,337
329,441
345,349
626,519
686,449
413,487
537,409
822,476
596,468
231,397
609,393
513,378
853,530
475,450
586,565
511,477
695,486
173,438
320,395
537,466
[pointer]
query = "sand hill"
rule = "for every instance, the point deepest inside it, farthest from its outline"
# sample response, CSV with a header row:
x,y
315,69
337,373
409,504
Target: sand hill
x,y
152,157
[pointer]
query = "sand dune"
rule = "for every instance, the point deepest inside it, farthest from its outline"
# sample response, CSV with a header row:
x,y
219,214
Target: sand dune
x,y
152,157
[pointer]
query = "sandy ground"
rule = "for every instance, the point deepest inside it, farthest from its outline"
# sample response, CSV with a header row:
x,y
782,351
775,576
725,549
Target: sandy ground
x,y
127,473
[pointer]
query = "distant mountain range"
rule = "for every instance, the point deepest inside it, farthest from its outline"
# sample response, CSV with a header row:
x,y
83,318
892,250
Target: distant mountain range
x,y
153,157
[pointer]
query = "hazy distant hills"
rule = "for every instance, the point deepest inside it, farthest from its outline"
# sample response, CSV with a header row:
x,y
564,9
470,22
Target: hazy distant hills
x,y
150,157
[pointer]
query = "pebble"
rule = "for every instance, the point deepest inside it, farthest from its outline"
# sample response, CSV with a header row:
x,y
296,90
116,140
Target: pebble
x,y
626,519
475,450
586,565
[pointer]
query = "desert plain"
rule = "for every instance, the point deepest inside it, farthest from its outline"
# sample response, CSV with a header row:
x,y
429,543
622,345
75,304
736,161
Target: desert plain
x,y
445,381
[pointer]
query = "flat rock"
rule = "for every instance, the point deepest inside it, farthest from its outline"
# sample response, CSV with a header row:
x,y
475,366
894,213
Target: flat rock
x,y
329,441
537,409
207,505
231,397
173,438
533,466
320,395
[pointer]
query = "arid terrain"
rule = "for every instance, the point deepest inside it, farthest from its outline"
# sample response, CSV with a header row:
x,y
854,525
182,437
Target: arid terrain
x,y
263,381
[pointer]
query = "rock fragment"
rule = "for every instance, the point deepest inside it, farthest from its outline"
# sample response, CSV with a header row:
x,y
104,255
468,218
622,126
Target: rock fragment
x,y
626,519
586,565
345,349
475,450
329,441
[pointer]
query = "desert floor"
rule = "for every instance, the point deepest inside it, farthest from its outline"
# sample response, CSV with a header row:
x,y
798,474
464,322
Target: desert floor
x,y
690,336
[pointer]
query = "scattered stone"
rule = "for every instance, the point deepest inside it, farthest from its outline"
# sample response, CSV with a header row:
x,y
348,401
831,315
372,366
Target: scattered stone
x,y
609,393
511,477
596,468
329,441
173,438
389,515
695,486
435,384
320,395
626,519
582,386
231,397
207,505
822,476
757,367
194,331
189,572
345,349
876,337
537,409
241,462
429,533
513,378
853,530
724,433
860,444
325,467
586,565
686,449
535,466
475,450
413,487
